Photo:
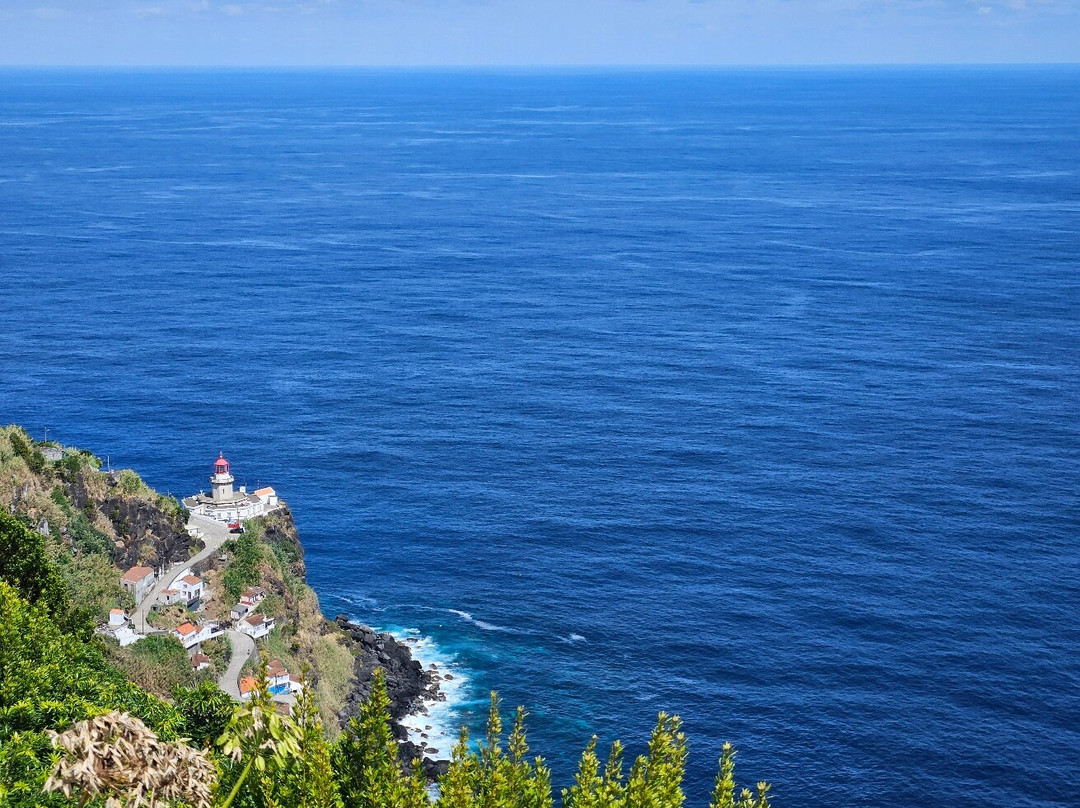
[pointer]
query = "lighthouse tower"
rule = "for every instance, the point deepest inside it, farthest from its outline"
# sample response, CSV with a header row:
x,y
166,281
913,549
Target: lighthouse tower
x,y
222,480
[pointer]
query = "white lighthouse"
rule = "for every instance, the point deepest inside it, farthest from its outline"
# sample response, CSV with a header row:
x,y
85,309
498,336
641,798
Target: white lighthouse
x,y
222,481
229,506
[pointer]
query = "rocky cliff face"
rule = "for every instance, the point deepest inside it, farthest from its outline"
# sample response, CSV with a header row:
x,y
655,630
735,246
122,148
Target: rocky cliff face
x,y
407,684
145,530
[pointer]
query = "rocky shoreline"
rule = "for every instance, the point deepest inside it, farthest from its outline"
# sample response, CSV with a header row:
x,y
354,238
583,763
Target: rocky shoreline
x,y
410,687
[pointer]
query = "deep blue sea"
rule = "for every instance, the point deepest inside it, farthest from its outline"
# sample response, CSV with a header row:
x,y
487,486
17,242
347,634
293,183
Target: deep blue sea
x,y
752,396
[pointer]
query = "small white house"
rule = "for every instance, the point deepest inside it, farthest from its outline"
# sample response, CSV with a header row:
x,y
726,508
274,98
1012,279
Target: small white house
x,y
119,629
199,662
280,680
138,581
253,596
268,497
256,626
167,597
192,587
191,635
239,611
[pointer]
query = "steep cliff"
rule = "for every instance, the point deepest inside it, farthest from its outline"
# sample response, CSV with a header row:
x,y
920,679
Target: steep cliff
x,y
99,522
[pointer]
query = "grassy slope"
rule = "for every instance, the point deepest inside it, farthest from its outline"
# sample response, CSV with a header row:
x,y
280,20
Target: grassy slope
x,y
86,542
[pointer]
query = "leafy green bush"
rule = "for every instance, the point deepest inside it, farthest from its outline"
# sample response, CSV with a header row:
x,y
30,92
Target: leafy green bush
x,y
243,570
205,710
94,584
131,483
26,566
50,679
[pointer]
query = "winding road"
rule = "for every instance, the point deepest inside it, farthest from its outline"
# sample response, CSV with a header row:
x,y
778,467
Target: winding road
x,y
243,647
214,534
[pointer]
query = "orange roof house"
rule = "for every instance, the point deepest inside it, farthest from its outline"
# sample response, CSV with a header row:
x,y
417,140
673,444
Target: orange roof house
x,y
136,574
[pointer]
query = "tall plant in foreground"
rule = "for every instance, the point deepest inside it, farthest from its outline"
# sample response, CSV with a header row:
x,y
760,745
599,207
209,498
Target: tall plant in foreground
x,y
366,760
263,748
723,795
492,777
116,756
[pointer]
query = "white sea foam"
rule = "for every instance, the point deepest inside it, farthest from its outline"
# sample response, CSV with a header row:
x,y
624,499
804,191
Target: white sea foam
x,y
481,624
436,724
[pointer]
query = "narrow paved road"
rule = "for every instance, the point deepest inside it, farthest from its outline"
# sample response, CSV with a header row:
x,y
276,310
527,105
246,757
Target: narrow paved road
x,y
214,534
242,649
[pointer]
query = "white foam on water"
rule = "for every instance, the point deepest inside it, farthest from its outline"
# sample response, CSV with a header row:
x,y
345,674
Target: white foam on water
x,y
436,724
481,624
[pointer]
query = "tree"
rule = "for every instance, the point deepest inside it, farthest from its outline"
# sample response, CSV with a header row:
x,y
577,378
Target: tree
x,y
366,760
205,711
313,785
723,795
25,565
262,747
493,777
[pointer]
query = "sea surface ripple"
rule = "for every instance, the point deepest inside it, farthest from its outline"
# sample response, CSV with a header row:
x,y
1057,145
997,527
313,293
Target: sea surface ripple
x,y
752,396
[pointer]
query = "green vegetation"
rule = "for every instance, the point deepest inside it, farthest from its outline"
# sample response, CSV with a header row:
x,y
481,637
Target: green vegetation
x,y
84,536
243,569
52,672
206,710
366,760
203,750
131,484
158,664
217,650
93,584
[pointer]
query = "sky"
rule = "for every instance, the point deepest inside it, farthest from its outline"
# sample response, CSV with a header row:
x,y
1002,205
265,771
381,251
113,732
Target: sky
x,y
535,32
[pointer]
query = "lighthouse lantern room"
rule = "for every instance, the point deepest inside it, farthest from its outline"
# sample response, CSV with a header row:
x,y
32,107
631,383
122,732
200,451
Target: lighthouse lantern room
x,y
222,480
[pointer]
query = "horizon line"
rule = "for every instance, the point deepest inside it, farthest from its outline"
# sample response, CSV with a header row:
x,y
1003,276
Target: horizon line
x,y
620,66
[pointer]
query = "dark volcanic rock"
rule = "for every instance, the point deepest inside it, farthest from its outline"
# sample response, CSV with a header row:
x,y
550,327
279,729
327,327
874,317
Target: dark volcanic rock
x,y
407,684
150,534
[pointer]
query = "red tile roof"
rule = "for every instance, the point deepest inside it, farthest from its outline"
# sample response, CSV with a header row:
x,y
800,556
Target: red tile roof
x,y
136,574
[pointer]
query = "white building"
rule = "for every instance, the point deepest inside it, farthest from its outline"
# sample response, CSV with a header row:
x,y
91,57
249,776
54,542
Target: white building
x,y
191,635
226,505
167,597
119,629
191,587
186,588
253,596
138,581
199,662
256,626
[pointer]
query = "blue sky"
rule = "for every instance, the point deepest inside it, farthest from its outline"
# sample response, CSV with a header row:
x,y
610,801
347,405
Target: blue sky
x,y
530,32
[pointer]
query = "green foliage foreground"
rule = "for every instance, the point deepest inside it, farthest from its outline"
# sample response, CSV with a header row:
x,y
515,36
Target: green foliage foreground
x,y
55,678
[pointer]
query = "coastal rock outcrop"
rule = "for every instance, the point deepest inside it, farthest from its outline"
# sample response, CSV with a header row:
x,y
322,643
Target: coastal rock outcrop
x,y
407,684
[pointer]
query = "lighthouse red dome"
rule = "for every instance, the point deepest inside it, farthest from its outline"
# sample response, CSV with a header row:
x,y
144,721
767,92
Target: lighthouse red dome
x,y
221,465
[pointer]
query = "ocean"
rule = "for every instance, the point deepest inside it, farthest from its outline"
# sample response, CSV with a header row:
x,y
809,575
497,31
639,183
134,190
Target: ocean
x,y
750,395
